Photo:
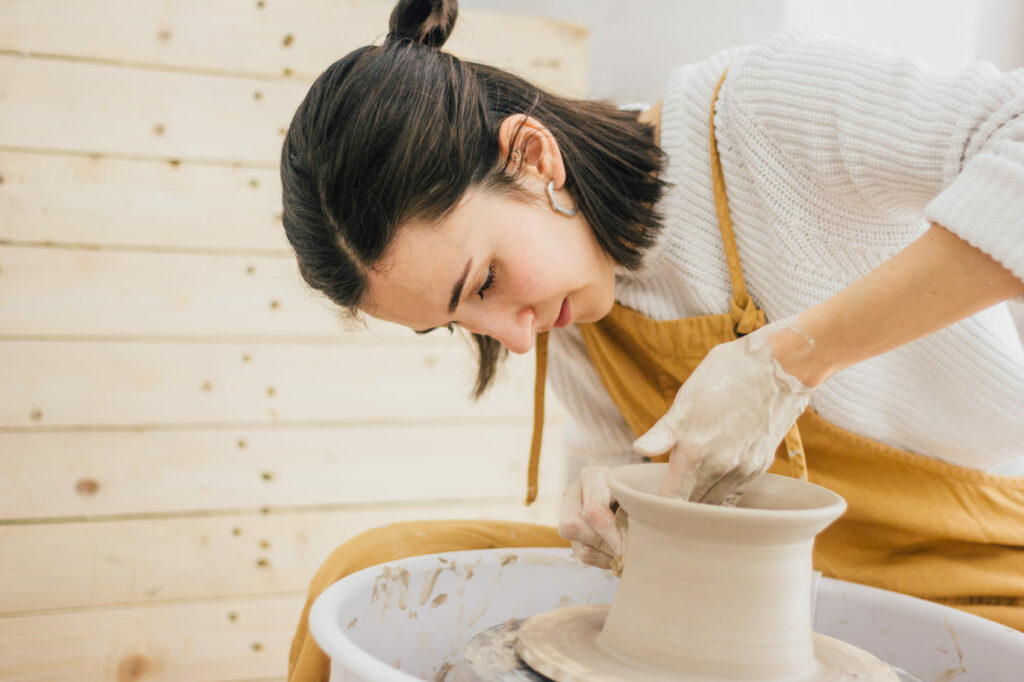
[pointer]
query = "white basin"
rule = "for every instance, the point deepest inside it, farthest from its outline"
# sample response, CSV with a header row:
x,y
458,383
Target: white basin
x,y
410,619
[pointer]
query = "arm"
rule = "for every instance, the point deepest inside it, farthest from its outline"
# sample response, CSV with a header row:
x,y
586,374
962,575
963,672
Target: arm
x,y
734,409
937,280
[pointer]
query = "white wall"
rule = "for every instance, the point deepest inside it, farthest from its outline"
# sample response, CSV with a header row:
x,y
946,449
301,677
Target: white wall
x,y
635,44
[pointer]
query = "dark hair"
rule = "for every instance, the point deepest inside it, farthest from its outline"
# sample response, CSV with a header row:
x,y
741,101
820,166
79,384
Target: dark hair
x,y
401,130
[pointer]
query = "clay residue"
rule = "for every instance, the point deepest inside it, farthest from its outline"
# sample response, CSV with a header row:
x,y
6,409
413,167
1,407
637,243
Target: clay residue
x,y
428,586
508,559
439,599
352,623
442,672
391,587
492,652
959,670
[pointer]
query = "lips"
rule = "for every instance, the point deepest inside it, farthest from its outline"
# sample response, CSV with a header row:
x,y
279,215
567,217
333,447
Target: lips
x,y
564,315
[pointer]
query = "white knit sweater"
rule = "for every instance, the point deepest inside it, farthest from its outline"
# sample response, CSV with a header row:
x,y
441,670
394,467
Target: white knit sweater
x,y
836,156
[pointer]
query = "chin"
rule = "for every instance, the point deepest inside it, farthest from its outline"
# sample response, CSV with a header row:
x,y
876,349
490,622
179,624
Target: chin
x,y
599,310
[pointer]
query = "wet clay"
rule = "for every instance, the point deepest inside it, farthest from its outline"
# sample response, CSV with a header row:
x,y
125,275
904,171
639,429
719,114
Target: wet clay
x,y
707,594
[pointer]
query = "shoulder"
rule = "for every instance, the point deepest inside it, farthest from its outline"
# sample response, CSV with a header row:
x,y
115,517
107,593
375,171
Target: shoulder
x,y
810,64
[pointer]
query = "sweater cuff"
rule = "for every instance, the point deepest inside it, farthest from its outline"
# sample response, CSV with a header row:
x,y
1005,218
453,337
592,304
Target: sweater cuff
x,y
984,205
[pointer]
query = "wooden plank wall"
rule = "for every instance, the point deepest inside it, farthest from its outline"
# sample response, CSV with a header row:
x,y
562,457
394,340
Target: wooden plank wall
x,y
185,431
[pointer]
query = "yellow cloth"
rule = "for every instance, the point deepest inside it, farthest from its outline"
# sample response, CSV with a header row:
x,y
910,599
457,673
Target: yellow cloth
x,y
306,662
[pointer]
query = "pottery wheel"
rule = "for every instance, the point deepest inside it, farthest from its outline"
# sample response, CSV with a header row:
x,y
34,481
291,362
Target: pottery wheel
x,y
491,657
563,645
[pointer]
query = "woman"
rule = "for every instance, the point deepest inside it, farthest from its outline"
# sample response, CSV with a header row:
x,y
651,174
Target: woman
x,y
872,213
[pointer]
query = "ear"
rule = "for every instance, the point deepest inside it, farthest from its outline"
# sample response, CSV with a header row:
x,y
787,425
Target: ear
x,y
539,149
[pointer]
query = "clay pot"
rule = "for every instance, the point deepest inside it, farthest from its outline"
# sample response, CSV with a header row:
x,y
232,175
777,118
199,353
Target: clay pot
x,y
714,590
707,594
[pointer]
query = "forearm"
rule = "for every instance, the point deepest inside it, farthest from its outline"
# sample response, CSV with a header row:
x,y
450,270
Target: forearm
x,y
937,280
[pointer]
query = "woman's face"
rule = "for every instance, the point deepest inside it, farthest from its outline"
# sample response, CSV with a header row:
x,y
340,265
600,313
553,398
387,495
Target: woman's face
x,y
496,265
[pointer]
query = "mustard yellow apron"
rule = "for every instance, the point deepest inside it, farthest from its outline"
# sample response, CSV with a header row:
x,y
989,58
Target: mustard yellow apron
x,y
914,524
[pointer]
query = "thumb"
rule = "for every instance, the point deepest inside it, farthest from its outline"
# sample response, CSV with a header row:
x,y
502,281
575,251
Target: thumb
x,y
658,439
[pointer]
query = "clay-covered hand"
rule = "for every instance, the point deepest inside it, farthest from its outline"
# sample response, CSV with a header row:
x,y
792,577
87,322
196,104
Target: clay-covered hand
x,y
728,418
587,518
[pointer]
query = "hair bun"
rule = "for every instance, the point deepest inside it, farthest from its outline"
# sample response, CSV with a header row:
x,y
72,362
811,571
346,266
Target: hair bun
x,y
427,22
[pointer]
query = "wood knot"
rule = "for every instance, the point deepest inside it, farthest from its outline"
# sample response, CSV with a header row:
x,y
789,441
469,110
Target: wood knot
x,y
159,129
87,486
133,668
1,179
163,36
36,414
288,40
267,476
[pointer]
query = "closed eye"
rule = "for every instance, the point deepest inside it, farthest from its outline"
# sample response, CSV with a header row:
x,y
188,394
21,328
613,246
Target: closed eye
x,y
488,283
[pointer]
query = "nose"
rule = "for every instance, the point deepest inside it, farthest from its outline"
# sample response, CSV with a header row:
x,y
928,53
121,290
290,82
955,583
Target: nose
x,y
513,328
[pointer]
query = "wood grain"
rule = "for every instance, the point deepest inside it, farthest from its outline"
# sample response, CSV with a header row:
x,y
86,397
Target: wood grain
x,y
54,291
95,474
295,39
48,384
225,639
72,106
72,565
161,205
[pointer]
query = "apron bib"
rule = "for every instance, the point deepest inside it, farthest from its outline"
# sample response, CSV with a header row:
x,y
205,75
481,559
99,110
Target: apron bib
x,y
914,524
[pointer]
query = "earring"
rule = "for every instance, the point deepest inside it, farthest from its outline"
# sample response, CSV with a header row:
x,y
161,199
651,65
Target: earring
x,y
516,156
554,202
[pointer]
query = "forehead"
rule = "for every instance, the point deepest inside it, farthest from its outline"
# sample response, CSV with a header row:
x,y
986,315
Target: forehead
x,y
412,284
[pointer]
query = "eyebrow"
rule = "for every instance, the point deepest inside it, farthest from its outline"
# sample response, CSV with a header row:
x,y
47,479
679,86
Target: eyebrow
x,y
453,303
457,289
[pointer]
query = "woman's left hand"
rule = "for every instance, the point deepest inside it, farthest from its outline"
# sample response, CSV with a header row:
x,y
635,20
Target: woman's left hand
x,y
728,418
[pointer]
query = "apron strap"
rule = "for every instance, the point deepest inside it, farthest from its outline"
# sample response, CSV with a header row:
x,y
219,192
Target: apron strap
x,y
745,315
539,382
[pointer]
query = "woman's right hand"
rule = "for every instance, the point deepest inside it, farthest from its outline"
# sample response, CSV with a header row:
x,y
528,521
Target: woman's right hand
x,y
587,518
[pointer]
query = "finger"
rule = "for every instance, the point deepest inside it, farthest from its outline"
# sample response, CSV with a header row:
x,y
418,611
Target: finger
x,y
718,488
591,556
658,439
571,524
682,475
597,507
737,492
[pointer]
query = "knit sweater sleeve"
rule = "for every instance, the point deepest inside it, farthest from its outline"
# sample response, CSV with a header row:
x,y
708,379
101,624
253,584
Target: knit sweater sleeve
x,y
882,130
